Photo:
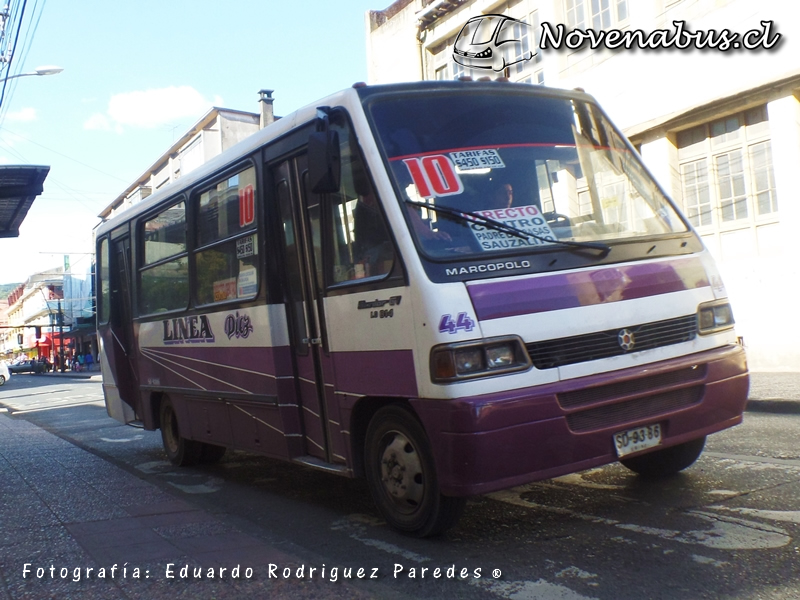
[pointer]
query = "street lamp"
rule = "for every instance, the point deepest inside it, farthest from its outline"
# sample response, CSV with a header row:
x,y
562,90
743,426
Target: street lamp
x,y
48,70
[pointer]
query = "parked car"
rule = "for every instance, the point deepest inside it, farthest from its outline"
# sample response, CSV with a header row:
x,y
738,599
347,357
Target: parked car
x,y
28,366
5,374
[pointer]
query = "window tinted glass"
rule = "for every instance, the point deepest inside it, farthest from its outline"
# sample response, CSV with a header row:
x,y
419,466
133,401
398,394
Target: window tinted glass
x,y
226,266
228,271
165,235
104,305
228,208
165,287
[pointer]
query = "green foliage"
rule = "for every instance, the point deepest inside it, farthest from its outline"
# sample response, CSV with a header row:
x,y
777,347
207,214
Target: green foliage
x,y
6,289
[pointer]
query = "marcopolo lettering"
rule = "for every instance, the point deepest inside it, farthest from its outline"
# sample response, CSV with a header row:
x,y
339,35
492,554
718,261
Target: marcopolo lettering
x,y
489,267
188,330
392,301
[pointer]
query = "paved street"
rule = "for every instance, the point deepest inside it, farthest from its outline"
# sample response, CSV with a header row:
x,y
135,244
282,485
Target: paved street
x,y
99,503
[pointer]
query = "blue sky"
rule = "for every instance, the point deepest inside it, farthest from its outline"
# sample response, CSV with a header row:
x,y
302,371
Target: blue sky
x,y
137,75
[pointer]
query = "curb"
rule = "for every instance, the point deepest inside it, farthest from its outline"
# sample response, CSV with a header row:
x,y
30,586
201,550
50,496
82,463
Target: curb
x,y
773,406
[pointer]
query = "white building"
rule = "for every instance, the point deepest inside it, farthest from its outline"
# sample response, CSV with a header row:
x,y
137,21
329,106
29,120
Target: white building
x,y
215,132
719,130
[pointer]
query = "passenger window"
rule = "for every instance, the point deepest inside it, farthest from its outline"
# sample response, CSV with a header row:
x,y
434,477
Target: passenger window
x,y
362,246
104,306
165,235
165,287
226,261
164,280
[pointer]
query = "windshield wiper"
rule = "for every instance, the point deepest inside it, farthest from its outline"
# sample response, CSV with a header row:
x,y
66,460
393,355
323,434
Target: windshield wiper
x,y
471,217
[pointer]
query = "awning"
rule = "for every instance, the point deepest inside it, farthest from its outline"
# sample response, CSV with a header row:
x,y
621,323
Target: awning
x,y
19,186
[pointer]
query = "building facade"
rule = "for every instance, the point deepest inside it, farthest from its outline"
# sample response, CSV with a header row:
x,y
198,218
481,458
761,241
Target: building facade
x,y
218,130
720,130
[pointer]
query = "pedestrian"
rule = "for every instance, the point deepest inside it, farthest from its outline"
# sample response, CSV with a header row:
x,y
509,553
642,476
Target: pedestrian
x,y
89,361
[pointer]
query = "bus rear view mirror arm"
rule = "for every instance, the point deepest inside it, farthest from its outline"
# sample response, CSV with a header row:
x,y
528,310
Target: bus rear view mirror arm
x,y
324,157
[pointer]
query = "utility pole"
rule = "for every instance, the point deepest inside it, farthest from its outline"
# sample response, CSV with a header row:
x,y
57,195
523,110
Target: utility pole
x,y
61,334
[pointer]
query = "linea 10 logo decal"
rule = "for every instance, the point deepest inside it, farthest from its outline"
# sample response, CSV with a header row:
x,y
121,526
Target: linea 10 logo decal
x,y
434,175
247,205
462,322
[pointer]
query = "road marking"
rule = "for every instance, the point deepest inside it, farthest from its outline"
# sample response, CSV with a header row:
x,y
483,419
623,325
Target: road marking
x,y
726,533
705,560
155,466
781,462
578,479
23,411
122,440
530,590
212,484
355,526
785,516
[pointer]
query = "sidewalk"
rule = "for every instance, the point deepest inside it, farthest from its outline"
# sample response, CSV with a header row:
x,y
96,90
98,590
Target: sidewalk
x,y
94,375
774,393
108,534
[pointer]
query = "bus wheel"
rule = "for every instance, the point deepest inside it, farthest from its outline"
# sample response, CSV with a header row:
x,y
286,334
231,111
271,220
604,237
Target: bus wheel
x,y
180,451
666,462
211,453
402,477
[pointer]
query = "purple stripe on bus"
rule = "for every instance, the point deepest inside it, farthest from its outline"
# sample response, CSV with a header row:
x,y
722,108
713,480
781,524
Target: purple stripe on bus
x,y
380,372
503,298
249,370
377,372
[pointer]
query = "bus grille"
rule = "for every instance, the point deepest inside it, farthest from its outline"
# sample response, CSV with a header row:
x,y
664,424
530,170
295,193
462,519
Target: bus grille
x,y
634,410
604,344
641,385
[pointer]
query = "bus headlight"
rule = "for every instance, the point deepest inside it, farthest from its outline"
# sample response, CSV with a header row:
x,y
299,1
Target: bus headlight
x,y
713,317
482,358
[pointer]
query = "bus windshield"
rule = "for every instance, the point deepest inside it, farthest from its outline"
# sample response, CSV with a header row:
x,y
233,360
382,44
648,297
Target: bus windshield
x,y
549,166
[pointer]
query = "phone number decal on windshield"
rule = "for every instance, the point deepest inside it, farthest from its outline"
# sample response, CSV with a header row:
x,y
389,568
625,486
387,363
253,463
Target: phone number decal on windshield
x,y
467,160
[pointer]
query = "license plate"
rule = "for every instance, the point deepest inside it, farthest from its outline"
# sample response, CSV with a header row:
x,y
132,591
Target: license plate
x,y
635,440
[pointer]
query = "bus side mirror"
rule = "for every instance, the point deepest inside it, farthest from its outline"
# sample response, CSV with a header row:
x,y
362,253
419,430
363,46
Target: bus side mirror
x,y
324,158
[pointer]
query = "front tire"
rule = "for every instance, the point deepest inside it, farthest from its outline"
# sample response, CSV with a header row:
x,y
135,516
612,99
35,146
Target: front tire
x,y
180,451
666,462
402,475
2,379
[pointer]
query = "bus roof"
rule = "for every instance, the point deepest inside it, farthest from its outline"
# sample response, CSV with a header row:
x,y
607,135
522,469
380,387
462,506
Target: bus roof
x,y
305,115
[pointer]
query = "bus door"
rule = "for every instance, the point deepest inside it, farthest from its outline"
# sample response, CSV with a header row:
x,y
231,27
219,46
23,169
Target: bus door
x,y
300,214
122,355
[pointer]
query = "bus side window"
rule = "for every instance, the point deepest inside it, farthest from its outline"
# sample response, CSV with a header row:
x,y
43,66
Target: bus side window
x,y
362,246
164,278
226,258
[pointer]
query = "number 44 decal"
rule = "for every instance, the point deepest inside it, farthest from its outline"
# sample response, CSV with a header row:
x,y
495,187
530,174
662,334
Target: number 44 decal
x,y
461,322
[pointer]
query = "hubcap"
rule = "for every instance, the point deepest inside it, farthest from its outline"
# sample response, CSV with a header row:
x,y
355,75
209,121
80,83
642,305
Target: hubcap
x,y
401,472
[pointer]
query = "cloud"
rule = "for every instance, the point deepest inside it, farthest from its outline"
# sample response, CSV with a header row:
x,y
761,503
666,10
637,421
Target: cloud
x,y
150,108
24,115
100,122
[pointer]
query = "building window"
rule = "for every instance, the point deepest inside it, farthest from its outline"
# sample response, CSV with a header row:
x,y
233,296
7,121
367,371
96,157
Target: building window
x,y
726,171
597,14
695,193
730,182
766,200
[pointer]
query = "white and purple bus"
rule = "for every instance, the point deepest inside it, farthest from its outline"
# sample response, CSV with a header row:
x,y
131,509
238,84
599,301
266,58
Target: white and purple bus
x,y
449,288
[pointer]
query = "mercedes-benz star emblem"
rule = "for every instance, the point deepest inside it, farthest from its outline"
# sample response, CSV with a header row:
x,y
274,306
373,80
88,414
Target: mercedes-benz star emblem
x,y
626,339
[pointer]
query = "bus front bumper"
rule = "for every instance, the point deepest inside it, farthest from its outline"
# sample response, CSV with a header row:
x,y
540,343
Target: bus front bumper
x,y
497,441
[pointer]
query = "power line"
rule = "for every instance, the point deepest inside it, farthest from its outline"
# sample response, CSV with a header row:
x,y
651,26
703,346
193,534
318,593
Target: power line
x,y
4,128
13,50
